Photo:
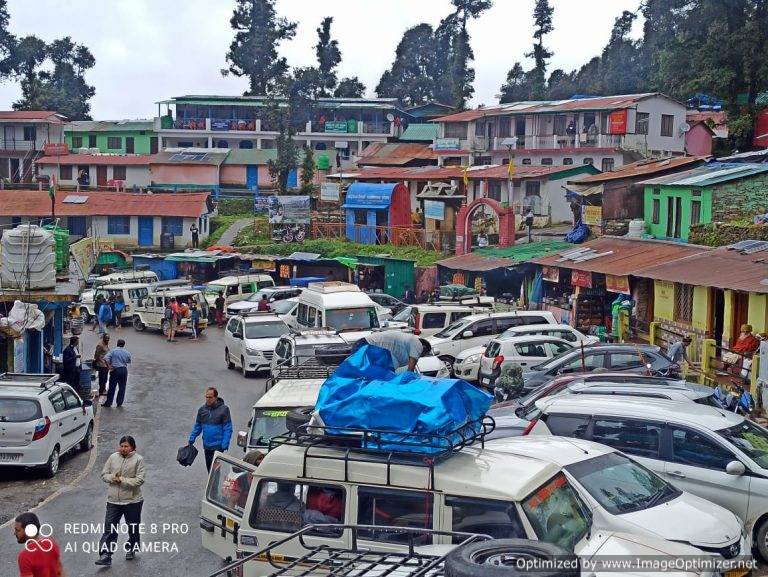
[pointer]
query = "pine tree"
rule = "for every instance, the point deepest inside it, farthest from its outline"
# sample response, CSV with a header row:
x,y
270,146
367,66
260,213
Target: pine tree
x,y
253,52
328,57
516,87
411,79
307,171
462,74
542,19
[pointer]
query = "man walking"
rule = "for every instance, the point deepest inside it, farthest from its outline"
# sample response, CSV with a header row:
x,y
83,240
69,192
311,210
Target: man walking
x,y
215,423
41,556
101,364
529,224
219,304
71,363
118,360
124,472
104,316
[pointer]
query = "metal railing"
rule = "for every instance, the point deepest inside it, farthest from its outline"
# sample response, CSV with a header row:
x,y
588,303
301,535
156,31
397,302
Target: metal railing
x,y
190,124
14,144
556,142
394,235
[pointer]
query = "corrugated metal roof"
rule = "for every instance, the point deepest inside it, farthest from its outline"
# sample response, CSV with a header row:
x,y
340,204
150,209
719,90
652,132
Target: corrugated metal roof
x,y
384,153
490,258
30,115
474,262
624,256
97,159
712,173
209,156
423,132
109,125
644,168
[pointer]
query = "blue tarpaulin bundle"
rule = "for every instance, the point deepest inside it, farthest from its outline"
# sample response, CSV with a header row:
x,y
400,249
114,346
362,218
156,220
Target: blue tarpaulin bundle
x,y
365,393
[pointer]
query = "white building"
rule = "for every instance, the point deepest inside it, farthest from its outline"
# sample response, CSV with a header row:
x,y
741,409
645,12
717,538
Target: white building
x,y
25,134
97,170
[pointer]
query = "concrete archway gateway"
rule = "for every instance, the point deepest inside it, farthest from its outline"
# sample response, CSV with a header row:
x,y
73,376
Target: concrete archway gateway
x,y
464,231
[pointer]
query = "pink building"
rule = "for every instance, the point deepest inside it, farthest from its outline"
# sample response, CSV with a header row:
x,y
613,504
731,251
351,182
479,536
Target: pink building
x,y
698,140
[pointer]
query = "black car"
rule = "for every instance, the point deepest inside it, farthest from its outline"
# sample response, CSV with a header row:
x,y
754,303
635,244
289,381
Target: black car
x,y
644,359
385,300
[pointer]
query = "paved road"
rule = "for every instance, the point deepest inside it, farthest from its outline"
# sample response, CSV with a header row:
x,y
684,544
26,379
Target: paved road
x,y
165,388
230,234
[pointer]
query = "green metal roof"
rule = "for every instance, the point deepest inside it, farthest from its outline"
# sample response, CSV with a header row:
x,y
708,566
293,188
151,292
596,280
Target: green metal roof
x,y
709,174
524,252
420,132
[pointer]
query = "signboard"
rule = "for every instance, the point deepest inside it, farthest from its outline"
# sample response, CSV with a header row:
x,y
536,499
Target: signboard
x,y
617,122
592,215
84,252
289,218
219,125
336,126
261,204
55,149
617,284
434,209
550,273
446,144
329,191
581,278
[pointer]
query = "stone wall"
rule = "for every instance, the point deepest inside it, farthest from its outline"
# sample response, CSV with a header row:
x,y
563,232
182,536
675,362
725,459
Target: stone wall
x,y
722,234
740,199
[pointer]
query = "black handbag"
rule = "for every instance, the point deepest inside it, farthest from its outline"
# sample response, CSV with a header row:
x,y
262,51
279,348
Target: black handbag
x,y
186,455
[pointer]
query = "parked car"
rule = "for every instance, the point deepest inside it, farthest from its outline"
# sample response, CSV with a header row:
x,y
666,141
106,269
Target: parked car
x,y
426,320
478,329
628,357
236,288
131,293
250,339
565,332
387,301
41,420
87,297
149,312
715,454
337,306
523,351
467,364
273,294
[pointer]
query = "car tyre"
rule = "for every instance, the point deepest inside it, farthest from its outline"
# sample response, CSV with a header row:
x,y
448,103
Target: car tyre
x,y
85,315
243,368
165,326
230,364
87,442
501,557
138,325
448,360
761,539
298,417
51,467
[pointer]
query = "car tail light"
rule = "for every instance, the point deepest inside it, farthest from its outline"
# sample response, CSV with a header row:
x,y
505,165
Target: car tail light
x,y
530,426
416,323
41,428
497,361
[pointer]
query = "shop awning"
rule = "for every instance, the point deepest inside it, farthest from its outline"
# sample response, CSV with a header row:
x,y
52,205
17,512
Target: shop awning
x,y
584,190
369,196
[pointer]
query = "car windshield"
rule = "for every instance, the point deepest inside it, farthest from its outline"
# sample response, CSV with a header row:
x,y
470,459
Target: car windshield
x,y
749,438
621,485
282,307
557,514
215,289
404,315
256,297
265,330
358,318
452,329
267,423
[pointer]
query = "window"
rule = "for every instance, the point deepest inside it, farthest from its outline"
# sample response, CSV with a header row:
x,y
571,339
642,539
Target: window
x,y
695,449
482,328
65,172
750,439
119,225
311,316
667,123
558,127
92,141
526,161
567,425
361,216
624,361
567,161
498,519
58,403
394,508
228,486
19,410
591,362
114,142
546,162
683,302
286,506
588,161
641,122
534,320
71,399
532,188
118,172
504,323
455,130
589,119
655,217
607,165
531,350
173,225
558,348
494,190
303,314
633,437
556,513
565,335
505,127
433,321
246,288
77,142
30,133
695,212
459,315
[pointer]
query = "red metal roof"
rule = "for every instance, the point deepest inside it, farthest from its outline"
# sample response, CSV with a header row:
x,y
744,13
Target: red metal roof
x,y
99,203
384,153
98,159
521,172
467,115
644,168
407,173
627,256
21,115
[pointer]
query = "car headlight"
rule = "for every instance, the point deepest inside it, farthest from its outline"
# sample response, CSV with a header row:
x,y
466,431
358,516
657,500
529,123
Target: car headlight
x,y
253,352
471,359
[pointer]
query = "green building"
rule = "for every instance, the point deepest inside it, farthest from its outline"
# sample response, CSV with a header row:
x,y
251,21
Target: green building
x,y
715,192
112,136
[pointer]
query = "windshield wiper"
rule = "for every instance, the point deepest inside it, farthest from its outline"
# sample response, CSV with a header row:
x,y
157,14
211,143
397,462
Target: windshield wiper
x,y
654,499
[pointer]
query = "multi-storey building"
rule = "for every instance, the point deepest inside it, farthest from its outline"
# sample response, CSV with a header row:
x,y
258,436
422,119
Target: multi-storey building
x,y
602,131
112,136
335,127
25,133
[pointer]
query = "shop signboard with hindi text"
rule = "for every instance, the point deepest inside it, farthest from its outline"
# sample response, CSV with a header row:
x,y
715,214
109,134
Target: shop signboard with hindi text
x,y
617,122
592,215
581,278
84,252
434,209
337,126
617,284
329,191
550,273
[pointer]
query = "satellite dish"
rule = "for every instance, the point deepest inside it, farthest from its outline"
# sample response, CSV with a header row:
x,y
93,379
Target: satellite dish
x,y
684,127
390,117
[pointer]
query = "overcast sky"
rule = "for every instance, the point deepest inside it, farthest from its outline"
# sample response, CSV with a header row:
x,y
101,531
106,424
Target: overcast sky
x,y
150,50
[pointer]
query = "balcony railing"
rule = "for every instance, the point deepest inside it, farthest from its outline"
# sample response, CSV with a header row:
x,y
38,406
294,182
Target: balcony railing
x,y
339,128
13,144
555,141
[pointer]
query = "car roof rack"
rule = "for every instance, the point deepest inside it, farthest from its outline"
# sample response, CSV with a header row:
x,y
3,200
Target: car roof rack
x,y
38,380
310,369
313,560
384,447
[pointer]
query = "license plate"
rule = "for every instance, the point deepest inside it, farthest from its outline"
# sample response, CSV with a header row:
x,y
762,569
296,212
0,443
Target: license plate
x,y
10,457
486,381
230,524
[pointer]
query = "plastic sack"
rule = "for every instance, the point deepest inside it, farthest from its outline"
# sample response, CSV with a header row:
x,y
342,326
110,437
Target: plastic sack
x,y
25,316
186,455
579,233
365,393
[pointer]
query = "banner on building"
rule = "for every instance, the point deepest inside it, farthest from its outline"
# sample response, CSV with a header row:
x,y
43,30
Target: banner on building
x,y
434,209
329,191
592,215
446,144
84,252
55,149
617,122
219,125
337,126
261,204
617,284
550,273
581,278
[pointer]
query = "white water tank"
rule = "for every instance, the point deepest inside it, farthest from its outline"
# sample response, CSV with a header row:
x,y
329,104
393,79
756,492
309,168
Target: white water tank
x,y
636,228
28,258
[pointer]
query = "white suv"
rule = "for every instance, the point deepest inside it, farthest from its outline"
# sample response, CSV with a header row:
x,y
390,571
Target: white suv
x,y
40,420
250,339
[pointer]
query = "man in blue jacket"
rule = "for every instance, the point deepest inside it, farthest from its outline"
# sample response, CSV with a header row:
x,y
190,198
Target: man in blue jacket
x,y
214,422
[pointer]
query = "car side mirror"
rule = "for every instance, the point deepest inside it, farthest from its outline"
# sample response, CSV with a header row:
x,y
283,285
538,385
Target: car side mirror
x,y
467,335
242,439
237,335
735,468
519,411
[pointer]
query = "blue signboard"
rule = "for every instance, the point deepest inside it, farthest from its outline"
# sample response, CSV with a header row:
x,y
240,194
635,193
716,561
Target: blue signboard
x,y
434,209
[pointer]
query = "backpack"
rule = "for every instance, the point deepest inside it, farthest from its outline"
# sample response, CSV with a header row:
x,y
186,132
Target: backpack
x,y
168,313
105,313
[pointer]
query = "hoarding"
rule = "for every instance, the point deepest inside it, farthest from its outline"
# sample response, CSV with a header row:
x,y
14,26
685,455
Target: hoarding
x,y
434,209
329,191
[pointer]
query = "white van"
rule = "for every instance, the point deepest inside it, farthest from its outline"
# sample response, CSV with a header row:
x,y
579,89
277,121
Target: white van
x,y
236,288
127,276
338,306
429,319
132,294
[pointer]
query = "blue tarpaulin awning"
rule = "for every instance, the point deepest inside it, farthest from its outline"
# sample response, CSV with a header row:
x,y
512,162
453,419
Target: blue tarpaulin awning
x,y
370,196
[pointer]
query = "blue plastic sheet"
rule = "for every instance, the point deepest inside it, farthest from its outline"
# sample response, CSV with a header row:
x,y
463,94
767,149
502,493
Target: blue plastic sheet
x,y
579,233
365,393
